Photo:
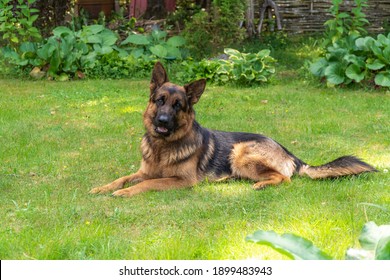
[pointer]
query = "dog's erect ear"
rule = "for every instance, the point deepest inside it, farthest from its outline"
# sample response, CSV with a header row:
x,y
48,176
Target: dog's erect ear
x,y
194,90
159,77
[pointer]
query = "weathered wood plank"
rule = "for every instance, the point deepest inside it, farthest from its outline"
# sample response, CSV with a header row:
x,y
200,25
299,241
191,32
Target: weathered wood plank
x,y
309,15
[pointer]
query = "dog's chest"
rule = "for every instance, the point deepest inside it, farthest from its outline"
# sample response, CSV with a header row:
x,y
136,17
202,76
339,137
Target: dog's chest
x,y
167,154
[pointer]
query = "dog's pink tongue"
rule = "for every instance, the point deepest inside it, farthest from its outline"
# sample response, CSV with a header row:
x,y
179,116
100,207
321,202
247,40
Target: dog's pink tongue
x,y
162,129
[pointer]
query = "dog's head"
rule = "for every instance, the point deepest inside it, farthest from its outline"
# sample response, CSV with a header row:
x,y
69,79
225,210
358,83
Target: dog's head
x,y
170,113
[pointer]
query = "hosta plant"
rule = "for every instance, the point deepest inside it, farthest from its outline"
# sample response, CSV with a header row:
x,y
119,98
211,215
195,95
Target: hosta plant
x,y
66,52
234,67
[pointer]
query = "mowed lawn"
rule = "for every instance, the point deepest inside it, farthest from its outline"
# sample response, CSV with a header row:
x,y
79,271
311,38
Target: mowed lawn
x,y
58,140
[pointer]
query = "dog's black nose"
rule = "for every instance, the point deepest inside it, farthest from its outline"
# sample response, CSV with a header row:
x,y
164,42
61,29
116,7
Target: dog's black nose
x,y
163,119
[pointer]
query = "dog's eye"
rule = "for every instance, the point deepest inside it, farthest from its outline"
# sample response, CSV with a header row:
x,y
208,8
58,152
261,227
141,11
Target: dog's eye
x,y
160,101
177,105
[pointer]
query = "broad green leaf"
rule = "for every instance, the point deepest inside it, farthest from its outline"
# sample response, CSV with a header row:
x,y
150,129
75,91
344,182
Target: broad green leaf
x,y
261,78
27,47
94,29
137,52
383,79
121,52
55,62
375,64
357,60
355,73
46,51
102,49
365,43
159,51
371,234
89,60
14,39
108,37
335,73
291,245
263,53
343,15
33,17
376,238
231,52
318,68
248,76
258,66
383,40
81,47
58,31
158,34
377,51
383,248
136,39
94,39
66,46
172,52
386,54
176,41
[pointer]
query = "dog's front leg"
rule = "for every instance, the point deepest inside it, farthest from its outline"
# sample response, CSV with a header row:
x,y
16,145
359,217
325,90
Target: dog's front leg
x,y
161,184
119,183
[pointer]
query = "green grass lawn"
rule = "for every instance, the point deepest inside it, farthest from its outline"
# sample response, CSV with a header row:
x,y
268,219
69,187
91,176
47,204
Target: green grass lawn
x,y
58,140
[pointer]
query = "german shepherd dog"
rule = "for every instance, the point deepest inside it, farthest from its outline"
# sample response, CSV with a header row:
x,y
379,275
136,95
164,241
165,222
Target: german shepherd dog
x,y
177,152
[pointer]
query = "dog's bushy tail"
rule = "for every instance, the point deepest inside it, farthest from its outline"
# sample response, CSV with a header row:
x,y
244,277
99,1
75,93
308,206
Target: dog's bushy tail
x,y
346,165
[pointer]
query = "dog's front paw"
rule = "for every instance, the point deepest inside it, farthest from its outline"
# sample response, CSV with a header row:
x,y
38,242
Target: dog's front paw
x,y
129,192
100,190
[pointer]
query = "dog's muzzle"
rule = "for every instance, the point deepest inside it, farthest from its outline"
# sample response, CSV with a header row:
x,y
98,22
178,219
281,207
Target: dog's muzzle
x,y
163,125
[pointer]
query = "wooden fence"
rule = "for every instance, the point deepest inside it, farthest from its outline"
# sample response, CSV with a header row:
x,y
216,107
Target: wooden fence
x,y
302,16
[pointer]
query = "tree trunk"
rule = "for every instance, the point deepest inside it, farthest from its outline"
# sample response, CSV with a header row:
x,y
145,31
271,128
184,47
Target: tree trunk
x,y
269,4
250,16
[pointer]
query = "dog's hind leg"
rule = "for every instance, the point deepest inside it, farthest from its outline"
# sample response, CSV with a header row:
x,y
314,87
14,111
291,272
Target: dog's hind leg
x,y
269,178
263,161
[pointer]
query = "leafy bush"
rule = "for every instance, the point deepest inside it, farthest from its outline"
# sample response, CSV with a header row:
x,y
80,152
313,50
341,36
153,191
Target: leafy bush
x,y
155,44
356,59
185,10
93,51
115,66
374,240
208,32
195,70
66,52
345,23
17,23
239,68
199,34
350,57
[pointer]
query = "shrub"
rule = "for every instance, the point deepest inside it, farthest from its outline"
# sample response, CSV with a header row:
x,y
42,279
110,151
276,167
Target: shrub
x,y
115,66
356,59
66,52
17,23
208,32
345,23
350,57
239,68
93,51
155,44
